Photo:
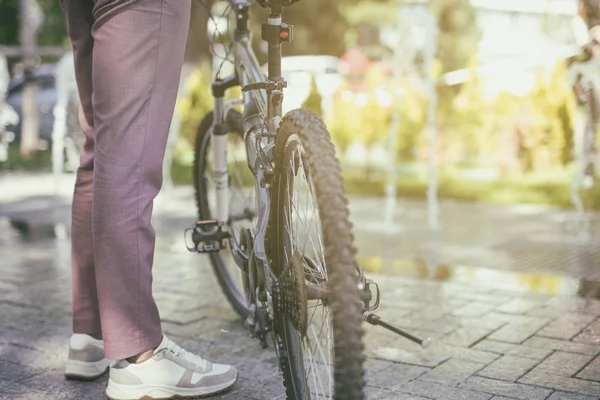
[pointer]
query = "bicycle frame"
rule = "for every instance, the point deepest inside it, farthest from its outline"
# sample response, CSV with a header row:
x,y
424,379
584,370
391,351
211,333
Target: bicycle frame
x,y
263,98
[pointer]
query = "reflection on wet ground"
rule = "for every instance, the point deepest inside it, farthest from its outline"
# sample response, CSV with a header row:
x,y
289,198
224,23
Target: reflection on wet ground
x,y
503,280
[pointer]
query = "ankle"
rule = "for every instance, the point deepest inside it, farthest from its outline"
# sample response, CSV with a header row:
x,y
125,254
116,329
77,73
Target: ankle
x,y
140,358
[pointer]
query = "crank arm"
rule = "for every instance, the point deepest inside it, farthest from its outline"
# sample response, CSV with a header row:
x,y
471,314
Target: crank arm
x,y
374,319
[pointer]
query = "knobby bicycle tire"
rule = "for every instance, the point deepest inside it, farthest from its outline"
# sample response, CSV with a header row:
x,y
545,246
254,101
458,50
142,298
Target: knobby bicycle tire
x,y
304,128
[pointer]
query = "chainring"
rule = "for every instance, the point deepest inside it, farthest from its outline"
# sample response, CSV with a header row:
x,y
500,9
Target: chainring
x,y
292,299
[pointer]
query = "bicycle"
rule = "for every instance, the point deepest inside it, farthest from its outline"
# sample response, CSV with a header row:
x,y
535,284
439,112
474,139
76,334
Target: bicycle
x,y
586,86
280,280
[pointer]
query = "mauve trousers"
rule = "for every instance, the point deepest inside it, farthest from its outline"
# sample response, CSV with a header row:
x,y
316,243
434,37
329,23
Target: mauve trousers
x,y
128,57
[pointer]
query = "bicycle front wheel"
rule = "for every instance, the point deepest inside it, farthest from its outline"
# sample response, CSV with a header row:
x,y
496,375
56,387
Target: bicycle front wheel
x,y
318,308
241,202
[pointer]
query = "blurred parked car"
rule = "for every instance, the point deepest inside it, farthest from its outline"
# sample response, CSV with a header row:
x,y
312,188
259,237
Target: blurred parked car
x,y
298,71
45,77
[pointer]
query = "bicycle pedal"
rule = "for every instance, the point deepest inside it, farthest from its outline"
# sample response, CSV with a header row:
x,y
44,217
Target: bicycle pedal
x,y
208,237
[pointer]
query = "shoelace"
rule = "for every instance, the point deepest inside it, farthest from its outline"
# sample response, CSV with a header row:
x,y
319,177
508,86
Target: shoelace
x,y
186,355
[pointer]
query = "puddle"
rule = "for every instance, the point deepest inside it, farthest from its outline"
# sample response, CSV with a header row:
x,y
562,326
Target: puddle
x,y
495,278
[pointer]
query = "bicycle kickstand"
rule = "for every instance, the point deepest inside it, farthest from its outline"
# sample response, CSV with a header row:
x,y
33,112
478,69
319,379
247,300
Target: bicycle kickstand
x,y
374,319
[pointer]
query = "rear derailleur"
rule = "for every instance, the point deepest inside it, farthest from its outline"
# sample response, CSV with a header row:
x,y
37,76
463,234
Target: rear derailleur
x,y
209,237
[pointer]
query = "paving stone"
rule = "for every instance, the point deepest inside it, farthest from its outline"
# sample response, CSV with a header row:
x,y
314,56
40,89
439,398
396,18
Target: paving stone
x,y
587,306
569,396
562,383
566,326
259,389
452,372
518,327
17,391
462,353
12,371
54,382
591,371
563,345
35,326
518,306
509,389
373,393
465,337
494,346
441,392
546,311
591,334
518,319
508,368
563,364
474,310
482,322
376,339
373,365
484,298
395,376
515,333
398,396
424,359
442,325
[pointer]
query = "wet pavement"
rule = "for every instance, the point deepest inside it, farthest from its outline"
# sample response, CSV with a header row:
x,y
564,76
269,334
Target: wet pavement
x,y
510,294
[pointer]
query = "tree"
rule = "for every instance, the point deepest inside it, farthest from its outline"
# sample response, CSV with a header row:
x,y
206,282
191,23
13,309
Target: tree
x,y
53,31
320,26
459,34
314,100
198,44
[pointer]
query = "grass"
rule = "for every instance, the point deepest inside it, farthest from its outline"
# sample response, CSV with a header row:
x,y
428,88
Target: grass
x,y
548,188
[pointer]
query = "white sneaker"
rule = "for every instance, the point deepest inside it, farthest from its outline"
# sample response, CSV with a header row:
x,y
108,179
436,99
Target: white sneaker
x,y
86,358
171,373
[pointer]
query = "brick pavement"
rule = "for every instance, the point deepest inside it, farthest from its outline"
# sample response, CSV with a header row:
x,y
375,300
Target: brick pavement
x,y
493,342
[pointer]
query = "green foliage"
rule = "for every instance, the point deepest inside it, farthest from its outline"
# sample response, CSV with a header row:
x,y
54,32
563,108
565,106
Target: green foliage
x,y
191,108
314,100
464,118
367,117
53,31
522,189
9,22
40,162
459,34
196,103
319,27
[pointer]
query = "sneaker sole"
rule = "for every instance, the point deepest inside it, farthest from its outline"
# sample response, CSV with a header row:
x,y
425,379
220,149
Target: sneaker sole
x,y
86,371
115,391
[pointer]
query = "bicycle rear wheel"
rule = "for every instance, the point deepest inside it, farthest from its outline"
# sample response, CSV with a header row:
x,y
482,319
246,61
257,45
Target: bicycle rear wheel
x,y
312,252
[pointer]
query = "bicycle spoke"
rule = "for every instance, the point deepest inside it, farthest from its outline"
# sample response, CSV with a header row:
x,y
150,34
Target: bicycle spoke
x,y
301,223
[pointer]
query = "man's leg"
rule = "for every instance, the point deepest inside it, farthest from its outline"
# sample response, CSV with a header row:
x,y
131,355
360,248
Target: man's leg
x,y
138,53
86,316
